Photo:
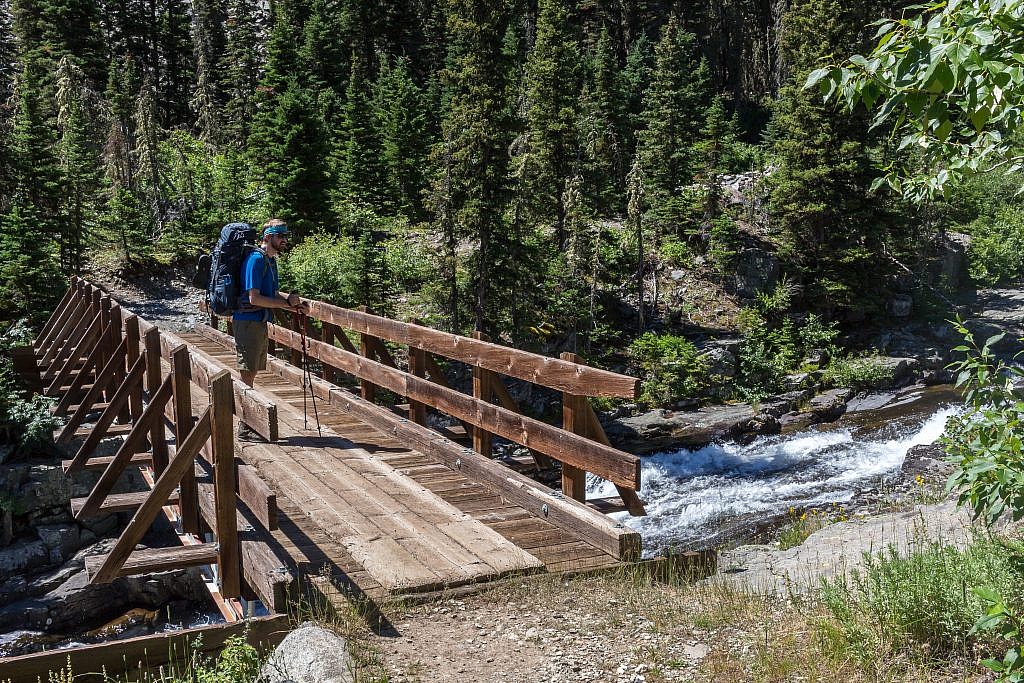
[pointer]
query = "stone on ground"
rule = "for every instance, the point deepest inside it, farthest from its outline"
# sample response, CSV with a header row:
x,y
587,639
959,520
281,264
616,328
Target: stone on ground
x,y
310,654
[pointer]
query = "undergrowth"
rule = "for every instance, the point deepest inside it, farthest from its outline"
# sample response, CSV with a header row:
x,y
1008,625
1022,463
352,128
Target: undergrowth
x,y
918,605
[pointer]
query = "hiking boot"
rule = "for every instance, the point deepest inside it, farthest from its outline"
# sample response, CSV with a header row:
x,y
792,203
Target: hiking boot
x,y
247,433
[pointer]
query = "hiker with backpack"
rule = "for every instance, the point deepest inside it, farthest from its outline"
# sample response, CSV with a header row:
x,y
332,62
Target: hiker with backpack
x,y
240,279
259,295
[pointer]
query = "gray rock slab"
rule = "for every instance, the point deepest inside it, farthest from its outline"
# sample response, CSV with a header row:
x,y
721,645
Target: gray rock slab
x,y
310,654
839,548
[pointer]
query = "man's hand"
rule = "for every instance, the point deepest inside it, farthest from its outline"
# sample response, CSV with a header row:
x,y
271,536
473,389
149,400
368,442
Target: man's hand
x,y
296,302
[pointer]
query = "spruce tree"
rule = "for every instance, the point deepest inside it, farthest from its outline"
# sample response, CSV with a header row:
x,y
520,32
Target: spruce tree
x,y
818,196
32,225
553,78
324,57
603,128
178,54
471,190
79,163
239,67
673,118
358,165
287,147
401,116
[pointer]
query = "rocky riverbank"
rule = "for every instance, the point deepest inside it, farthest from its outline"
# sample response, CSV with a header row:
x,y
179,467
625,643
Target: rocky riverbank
x,y
45,596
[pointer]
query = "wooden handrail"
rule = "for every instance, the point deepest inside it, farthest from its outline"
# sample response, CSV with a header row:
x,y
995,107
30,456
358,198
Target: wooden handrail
x,y
553,373
608,463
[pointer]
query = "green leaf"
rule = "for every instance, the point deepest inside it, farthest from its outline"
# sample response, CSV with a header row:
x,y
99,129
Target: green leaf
x,y
816,76
979,118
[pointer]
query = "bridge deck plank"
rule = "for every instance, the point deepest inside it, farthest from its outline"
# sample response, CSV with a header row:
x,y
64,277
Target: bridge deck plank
x,y
387,526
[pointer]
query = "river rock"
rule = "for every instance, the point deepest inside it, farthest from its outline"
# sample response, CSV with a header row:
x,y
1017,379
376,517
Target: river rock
x,y
22,556
76,603
901,305
310,654
660,430
721,362
61,540
927,461
829,405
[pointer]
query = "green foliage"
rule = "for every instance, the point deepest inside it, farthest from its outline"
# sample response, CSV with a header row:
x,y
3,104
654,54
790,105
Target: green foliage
x,y
996,252
1006,621
28,416
857,372
673,117
947,82
671,367
361,267
985,441
899,602
818,198
553,75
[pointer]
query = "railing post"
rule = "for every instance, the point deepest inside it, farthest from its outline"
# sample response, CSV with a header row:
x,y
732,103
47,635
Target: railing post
x,y
296,354
483,390
223,442
367,390
417,367
574,480
131,333
188,500
111,342
331,333
158,434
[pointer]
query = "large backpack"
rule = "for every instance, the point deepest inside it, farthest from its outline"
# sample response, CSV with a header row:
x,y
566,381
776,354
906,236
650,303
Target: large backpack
x,y
223,276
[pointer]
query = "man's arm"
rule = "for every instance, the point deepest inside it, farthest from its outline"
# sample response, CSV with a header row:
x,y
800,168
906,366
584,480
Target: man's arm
x,y
277,301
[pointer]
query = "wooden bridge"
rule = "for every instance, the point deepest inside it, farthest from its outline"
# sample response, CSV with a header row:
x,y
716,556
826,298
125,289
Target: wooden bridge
x,y
384,502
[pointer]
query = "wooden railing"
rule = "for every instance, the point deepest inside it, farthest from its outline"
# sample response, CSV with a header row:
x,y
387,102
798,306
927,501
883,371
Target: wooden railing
x,y
579,443
96,357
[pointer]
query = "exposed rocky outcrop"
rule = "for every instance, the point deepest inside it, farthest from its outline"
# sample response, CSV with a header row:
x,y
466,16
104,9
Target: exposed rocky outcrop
x,y
659,430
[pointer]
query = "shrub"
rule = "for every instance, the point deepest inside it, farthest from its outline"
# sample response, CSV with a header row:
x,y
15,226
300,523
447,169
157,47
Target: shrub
x,y
29,416
670,366
857,372
899,601
996,253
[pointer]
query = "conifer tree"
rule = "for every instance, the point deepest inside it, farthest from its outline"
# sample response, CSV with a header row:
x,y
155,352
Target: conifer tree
x,y
205,96
401,117
636,79
178,52
553,77
359,167
287,147
324,57
79,163
673,117
472,188
603,128
37,176
819,192
239,66
31,226
149,188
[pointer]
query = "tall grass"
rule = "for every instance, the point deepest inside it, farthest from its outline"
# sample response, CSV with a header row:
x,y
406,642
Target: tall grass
x,y
919,604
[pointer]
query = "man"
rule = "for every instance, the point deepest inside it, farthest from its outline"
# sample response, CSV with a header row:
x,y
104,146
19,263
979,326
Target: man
x,y
259,295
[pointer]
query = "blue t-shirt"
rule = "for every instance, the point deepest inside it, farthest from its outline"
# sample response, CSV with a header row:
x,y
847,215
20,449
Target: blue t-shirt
x,y
258,272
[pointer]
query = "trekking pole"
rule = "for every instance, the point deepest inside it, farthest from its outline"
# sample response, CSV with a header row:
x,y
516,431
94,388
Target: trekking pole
x,y
307,376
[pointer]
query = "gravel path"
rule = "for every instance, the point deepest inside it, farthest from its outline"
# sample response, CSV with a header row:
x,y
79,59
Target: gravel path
x,y
165,298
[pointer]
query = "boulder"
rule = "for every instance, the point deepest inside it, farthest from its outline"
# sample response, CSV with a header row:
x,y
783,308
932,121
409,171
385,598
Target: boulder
x,y
660,430
901,306
75,603
829,405
310,654
61,540
21,557
757,270
721,362
927,461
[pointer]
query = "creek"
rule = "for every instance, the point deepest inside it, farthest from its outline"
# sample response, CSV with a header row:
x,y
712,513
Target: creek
x,y
730,493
